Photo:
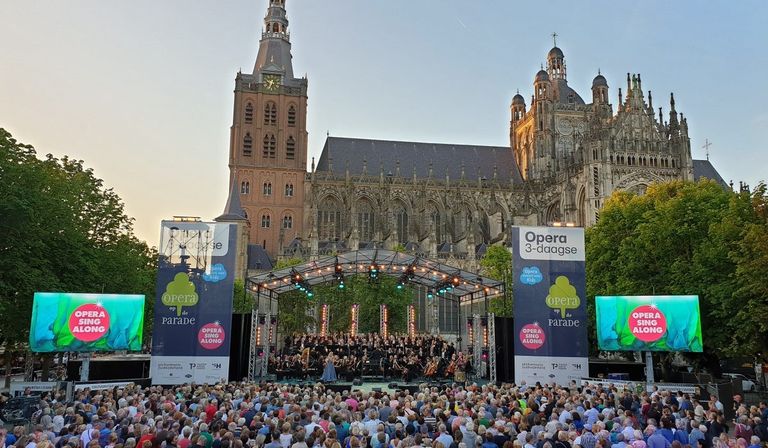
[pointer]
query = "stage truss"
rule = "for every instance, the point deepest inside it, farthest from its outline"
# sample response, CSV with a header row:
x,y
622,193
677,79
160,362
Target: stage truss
x,y
266,288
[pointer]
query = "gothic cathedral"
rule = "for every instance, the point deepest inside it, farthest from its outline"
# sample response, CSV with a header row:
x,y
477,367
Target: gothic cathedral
x,y
565,158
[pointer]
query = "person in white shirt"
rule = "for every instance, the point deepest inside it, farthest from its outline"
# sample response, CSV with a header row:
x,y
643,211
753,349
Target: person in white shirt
x,y
372,423
566,416
310,428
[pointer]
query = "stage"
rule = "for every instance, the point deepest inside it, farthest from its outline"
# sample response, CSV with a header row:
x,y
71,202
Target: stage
x,y
375,385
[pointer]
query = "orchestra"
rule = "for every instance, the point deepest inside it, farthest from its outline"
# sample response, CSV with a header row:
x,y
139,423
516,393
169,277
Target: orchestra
x,y
405,357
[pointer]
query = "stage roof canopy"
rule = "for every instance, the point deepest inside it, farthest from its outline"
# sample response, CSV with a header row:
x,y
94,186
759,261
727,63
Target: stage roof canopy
x,y
460,284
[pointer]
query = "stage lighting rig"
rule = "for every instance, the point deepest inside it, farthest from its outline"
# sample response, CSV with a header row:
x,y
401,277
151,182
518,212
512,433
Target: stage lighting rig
x,y
408,275
301,284
338,274
373,273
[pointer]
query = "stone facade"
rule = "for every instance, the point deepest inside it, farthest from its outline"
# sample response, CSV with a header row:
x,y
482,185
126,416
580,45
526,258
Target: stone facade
x,y
565,158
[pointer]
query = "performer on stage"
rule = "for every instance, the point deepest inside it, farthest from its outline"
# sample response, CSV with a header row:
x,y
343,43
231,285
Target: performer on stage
x,y
329,374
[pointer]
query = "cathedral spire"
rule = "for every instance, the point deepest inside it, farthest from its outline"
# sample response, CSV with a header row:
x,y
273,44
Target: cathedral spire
x,y
233,211
275,45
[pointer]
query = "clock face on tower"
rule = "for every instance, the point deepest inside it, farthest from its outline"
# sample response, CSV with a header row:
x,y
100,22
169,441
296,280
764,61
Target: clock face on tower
x,y
272,82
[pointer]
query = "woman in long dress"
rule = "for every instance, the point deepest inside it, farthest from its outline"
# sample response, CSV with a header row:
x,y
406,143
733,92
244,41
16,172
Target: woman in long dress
x,y
329,374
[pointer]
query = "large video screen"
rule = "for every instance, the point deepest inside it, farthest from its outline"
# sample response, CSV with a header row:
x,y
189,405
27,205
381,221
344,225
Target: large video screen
x,y
650,323
70,322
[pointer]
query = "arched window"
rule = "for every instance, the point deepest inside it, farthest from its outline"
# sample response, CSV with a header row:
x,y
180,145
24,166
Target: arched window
x,y
366,221
292,116
288,190
247,144
245,187
270,113
267,189
249,112
329,219
290,148
270,146
265,221
287,222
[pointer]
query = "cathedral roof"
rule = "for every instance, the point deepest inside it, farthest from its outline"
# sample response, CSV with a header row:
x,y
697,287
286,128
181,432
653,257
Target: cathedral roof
x,y
340,152
566,91
542,75
705,169
599,81
233,211
555,52
258,258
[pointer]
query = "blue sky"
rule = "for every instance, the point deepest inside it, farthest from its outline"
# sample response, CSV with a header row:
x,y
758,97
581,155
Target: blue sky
x,y
142,89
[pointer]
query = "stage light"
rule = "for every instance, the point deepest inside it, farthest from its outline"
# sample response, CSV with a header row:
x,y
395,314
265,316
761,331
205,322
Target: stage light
x,y
430,294
341,284
373,272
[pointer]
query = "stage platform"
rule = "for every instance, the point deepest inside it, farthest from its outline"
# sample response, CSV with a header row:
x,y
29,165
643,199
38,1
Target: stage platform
x,y
375,385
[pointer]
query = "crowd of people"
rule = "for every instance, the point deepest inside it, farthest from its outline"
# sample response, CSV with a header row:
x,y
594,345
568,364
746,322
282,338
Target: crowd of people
x,y
272,415
395,356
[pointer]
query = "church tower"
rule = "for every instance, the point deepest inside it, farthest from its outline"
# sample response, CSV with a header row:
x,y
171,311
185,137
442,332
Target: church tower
x,y
268,138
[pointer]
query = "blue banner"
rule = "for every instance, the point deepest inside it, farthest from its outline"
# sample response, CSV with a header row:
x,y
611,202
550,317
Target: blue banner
x,y
550,305
193,305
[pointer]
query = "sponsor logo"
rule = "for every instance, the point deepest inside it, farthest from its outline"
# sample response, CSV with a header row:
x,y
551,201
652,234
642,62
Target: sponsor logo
x,y
531,275
562,296
180,293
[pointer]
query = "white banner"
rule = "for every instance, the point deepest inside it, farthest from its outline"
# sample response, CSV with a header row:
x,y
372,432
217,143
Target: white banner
x,y
18,387
551,243
189,369
550,369
102,386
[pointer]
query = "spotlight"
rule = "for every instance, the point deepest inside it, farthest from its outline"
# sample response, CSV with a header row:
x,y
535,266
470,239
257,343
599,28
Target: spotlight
x,y
430,294
373,272
338,274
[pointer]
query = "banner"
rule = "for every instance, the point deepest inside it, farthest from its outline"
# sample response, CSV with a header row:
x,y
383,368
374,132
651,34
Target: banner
x,y
71,322
193,305
648,323
550,306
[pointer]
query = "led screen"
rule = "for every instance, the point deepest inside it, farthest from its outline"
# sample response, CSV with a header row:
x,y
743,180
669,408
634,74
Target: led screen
x,y
650,323
68,322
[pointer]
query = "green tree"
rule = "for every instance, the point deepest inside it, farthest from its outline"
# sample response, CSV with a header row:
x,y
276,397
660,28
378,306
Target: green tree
x,y
497,264
61,230
683,238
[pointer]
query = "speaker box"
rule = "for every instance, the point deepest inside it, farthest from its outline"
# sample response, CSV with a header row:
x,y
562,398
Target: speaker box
x,y
357,382
505,349
239,347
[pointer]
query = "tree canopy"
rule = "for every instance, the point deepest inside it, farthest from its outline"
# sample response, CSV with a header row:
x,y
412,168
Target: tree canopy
x,y
61,229
497,264
689,238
